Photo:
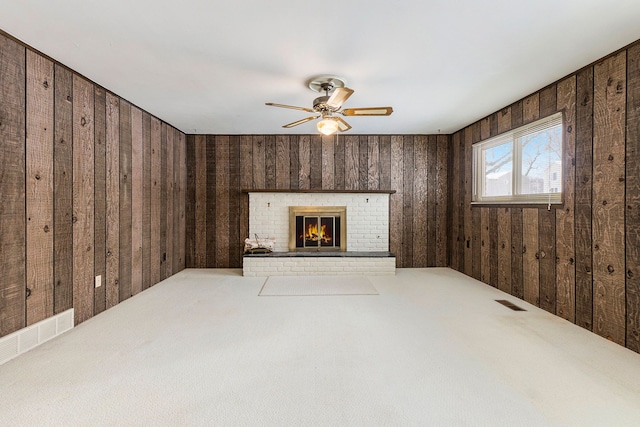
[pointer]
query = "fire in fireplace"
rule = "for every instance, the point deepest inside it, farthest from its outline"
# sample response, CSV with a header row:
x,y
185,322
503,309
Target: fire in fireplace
x,y
317,228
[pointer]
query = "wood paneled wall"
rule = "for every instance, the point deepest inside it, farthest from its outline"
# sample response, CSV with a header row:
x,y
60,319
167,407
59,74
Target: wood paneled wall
x,y
220,166
580,261
78,187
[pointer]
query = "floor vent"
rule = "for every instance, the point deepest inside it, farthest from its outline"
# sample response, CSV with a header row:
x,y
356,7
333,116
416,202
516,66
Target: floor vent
x,y
32,336
510,305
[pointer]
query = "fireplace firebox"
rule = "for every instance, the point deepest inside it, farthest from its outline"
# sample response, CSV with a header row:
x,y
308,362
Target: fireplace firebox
x,y
317,228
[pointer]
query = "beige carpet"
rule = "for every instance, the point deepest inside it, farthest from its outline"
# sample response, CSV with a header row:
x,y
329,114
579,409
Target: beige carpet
x,y
317,285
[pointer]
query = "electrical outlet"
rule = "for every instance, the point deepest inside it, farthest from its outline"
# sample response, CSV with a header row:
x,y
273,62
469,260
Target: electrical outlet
x,y
98,281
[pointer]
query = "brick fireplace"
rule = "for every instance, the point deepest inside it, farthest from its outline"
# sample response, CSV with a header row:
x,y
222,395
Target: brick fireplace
x,y
362,225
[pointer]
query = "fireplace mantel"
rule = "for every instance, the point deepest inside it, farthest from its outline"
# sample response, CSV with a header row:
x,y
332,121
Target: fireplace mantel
x,y
265,190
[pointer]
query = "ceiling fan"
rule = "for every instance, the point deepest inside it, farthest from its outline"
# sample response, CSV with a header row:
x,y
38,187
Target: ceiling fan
x,y
328,106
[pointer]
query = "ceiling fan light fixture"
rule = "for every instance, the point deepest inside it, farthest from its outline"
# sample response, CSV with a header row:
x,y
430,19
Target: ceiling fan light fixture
x,y
328,126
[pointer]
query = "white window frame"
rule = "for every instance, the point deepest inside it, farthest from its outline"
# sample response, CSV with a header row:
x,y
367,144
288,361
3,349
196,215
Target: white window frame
x,y
514,137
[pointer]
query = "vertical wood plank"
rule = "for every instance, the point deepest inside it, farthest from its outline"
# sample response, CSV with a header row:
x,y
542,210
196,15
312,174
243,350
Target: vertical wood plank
x,y
351,162
137,167
210,217
442,189
315,159
201,200
373,163
246,180
485,243
125,200
454,203
12,187
531,108
259,181
112,275
633,199
419,202
146,200
183,198
338,150
608,198
548,101
384,143
222,198
190,209
100,176
583,197
163,200
407,201
269,161
328,163
304,162
39,187
363,163
83,186
63,190
530,256
565,223
431,172
235,241
466,206
396,225
283,162
493,247
156,254
170,208
294,158
485,128
547,257
517,247
504,120
504,249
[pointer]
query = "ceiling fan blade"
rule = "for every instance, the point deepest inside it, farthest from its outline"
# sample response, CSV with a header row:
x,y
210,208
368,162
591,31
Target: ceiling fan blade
x,y
342,125
271,104
301,121
371,111
338,97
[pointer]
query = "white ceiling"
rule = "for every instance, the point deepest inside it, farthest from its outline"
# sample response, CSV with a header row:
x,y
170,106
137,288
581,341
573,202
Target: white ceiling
x,y
209,66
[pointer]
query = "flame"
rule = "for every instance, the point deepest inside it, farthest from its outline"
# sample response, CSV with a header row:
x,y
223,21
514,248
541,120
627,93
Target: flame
x,y
313,235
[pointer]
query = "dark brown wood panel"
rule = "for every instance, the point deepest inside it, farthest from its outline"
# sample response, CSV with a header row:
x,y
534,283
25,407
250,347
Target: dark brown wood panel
x,y
294,168
517,247
467,170
164,181
270,161
351,162
146,200
396,225
442,189
246,181
530,256
168,265
485,244
283,162
531,108
363,160
384,142
608,198
125,200
83,198
137,191
156,252
191,238
222,200
12,186
112,152
419,203
504,249
432,169
328,162
407,202
63,191
548,101
304,162
100,194
339,165
493,247
315,159
235,240
632,201
565,222
39,187
583,197
210,163
373,163
547,256
454,204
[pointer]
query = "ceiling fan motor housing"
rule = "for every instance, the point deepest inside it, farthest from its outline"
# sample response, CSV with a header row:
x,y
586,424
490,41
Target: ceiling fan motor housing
x,y
320,105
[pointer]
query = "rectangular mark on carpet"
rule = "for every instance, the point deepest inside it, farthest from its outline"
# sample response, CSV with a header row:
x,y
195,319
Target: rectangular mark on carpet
x,y
317,285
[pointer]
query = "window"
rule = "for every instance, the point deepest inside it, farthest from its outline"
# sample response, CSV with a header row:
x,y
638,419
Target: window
x,y
520,166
